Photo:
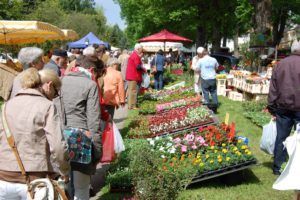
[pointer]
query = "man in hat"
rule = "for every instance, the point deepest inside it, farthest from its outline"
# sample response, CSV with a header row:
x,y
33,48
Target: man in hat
x,y
58,61
283,101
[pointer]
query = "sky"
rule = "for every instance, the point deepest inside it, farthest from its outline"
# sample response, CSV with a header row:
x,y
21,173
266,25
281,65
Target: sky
x,y
111,12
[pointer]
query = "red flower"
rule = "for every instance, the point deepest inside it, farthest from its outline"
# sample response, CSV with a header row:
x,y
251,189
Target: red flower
x,y
218,136
212,143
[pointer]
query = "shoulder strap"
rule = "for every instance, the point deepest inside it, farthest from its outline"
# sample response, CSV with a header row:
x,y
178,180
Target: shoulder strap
x,y
10,139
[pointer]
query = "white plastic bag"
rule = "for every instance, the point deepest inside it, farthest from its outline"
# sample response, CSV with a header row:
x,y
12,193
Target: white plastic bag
x,y
289,178
146,80
118,141
268,138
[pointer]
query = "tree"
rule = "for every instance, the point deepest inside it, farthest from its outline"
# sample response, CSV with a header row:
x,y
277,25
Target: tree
x,y
11,9
84,6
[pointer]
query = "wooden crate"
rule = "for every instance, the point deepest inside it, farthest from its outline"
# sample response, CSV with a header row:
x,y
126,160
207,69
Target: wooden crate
x,y
254,88
221,90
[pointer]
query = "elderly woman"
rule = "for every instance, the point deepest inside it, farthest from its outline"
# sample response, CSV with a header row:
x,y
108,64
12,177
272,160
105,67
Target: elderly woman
x,y
82,108
28,57
35,126
113,91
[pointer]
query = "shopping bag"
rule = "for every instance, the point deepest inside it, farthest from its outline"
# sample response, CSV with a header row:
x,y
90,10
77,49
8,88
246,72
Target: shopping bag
x,y
146,80
288,180
118,140
108,146
267,142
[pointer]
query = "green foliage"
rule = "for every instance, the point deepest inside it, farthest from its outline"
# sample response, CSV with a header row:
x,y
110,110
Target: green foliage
x,y
151,181
11,9
148,107
255,106
258,118
84,6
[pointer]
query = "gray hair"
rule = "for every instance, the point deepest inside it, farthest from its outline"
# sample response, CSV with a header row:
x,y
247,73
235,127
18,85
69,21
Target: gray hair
x,y
295,46
112,61
137,46
29,55
89,51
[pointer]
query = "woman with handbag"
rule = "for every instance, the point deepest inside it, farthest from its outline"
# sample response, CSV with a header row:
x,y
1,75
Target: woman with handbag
x,y
158,63
30,123
80,98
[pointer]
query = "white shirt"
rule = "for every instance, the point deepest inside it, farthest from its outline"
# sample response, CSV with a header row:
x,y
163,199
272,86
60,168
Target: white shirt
x,y
207,65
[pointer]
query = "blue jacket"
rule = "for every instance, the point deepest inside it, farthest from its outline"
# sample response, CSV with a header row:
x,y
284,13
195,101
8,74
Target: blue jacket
x,y
159,61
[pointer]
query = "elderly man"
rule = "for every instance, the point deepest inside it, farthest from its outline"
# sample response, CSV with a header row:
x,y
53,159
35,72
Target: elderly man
x,y
123,60
28,57
197,79
134,74
207,66
58,61
283,101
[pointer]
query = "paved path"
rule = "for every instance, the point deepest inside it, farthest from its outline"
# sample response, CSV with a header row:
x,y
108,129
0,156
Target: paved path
x,y
98,180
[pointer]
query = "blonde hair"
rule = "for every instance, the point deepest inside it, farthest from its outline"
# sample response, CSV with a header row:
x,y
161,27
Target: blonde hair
x,y
32,78
47,75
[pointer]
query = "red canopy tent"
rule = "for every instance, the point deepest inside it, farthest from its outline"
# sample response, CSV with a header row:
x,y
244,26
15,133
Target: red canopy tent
x,y
164,36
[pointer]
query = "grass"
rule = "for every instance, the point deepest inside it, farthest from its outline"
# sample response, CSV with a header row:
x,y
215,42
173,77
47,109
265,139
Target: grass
x,y
251,184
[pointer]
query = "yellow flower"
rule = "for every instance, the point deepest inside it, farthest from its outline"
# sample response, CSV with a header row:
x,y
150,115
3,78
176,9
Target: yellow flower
x,y
211,161
182,157
224,150
212,147
198,155
207,156
244,147
249,153
220,160
219,156
246,150
238,153
174,158
223,145
227,158
201,164
216,151
239,141
235,149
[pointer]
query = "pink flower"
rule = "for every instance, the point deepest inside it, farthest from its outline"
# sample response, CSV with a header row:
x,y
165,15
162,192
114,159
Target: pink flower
x,y
183,148
194,147
177,140
201,129
189,137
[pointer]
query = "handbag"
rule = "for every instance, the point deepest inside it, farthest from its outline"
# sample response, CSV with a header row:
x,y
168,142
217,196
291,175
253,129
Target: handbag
x,y
154,68
39,189
79,145
108,144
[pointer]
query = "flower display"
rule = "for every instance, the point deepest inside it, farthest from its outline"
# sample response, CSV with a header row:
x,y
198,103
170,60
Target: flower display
x,y
177,103
195,148
161,94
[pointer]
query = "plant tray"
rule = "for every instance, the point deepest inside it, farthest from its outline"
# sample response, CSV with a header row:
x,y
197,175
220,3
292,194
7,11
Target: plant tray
x,y
226,170
174,131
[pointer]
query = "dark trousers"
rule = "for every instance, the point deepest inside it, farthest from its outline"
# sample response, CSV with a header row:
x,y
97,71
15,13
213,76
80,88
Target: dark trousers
x,y
285,120
158,80
209,87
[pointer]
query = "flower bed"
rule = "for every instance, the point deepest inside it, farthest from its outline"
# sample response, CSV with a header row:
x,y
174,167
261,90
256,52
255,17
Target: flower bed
x,y
170,121
162,94
214,148
176,103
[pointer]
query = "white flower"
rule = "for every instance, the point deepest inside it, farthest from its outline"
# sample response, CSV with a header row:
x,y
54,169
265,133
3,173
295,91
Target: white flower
x,y
152,142
162,156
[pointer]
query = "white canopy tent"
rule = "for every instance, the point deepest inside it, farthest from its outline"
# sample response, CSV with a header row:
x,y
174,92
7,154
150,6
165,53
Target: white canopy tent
x,y
155,46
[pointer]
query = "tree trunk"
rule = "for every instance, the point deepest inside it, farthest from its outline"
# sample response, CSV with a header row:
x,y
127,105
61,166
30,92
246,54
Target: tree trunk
x,y
278,26
262,17
236,45
216,40
201,40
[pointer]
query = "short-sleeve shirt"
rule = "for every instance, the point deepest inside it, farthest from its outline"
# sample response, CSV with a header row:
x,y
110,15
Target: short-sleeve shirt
x,y
207,65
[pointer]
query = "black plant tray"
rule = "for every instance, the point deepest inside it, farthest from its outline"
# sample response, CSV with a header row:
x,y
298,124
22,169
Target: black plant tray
x,y
123,189
226,170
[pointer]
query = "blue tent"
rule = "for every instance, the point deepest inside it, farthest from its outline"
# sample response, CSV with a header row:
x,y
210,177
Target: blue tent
x,y
87,40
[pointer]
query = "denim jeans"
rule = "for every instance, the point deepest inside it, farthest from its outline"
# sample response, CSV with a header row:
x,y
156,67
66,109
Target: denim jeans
x,y
158,80
285,120
209,86
12,191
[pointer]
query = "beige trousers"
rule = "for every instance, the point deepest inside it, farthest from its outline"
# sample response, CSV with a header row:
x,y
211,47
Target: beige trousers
x,y
132,94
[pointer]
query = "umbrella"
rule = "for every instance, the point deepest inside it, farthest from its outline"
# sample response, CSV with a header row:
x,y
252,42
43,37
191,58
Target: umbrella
x,y
24,32
164,36
70,34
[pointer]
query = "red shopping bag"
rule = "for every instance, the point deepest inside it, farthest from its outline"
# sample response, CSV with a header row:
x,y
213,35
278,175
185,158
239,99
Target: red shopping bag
x,y
108,146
